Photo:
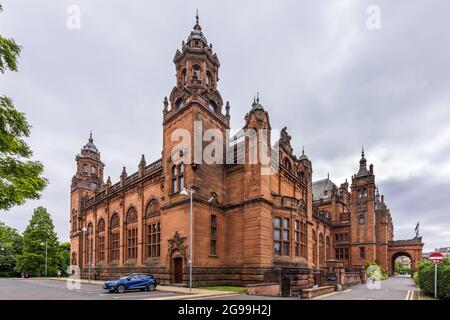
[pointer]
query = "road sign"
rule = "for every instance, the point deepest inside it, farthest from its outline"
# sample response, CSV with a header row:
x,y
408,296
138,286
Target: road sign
x,y
436,258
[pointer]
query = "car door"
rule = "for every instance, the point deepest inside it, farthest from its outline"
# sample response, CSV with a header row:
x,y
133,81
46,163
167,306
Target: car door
x,y
133,283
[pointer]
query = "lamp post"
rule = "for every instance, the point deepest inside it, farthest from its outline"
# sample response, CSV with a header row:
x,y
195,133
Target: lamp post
x,y
189,192
46,256
89,252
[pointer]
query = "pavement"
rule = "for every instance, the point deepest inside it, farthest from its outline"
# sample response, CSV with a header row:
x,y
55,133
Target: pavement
x,y
396,288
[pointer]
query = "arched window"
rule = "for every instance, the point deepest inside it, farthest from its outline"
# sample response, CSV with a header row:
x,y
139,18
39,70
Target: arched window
x,y
177,178
114,238
212,106
93,170
303,239
315,252
152,208
328,248
209,78
359,193
321,250
153,229
179,104
183,78
101,240
196,73
364,193
89,244
131,233
74,221
287,164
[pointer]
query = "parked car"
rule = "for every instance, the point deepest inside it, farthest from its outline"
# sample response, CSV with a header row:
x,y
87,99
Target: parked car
x,y
131,281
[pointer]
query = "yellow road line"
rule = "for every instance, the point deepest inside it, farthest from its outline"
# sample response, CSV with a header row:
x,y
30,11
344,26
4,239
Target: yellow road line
x,y
407,295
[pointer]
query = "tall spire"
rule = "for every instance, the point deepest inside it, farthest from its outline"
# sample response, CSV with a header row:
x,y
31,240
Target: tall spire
x,y
362,165
197,23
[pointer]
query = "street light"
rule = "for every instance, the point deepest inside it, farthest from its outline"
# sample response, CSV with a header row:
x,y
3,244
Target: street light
x,y
189,192
89,253
45,257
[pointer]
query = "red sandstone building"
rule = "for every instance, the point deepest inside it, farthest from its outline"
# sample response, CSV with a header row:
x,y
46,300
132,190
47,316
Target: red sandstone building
x,y
248,227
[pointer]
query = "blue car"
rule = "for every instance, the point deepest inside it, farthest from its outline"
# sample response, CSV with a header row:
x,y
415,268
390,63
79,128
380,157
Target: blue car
x,y
131,281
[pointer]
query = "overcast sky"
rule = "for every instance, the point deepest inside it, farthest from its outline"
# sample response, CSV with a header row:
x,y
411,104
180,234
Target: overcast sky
x,y
320,71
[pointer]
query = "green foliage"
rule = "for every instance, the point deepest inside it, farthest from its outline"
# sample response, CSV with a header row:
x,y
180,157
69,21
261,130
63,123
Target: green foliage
x,y
40,230
426,278
416,278
64,258
374,271
11,243
20,179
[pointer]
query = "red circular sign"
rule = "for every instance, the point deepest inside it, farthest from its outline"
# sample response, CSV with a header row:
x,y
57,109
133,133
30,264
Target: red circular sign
x,y
436,258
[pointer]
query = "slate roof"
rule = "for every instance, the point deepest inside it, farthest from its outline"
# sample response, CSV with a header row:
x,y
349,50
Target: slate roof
x,y
321,189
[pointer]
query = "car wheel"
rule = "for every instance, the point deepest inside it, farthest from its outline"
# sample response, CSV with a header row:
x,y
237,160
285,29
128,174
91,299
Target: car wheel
x,y
120,289
151,287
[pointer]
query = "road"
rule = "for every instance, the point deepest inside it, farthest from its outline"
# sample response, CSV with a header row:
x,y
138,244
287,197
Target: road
x,y
391,289
40,289
46,289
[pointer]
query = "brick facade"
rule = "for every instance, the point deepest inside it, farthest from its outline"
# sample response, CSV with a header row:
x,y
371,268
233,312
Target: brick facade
x,y
248,227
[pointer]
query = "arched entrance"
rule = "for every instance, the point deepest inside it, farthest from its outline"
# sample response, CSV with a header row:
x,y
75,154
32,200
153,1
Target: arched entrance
x,y
400,265
411,248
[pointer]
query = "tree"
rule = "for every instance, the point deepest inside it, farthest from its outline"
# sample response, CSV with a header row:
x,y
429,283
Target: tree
x,y
20,178
40,230
11,243
64,257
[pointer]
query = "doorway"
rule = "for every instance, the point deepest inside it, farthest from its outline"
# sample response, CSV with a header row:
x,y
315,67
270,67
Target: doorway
x,y
178,270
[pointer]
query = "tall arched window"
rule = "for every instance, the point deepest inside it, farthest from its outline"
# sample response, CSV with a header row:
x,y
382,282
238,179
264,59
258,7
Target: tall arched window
x,y
315,252
89,244
131,233
114,238
153,229
328,248
209,79
321,250
183,78
74,221
303,239
177,178
287,164
101,240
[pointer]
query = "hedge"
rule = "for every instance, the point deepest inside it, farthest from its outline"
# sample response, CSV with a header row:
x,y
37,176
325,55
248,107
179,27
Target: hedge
x,y
425,276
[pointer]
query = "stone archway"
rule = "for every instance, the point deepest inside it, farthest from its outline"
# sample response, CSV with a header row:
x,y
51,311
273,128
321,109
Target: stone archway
x,y
394,258
411,248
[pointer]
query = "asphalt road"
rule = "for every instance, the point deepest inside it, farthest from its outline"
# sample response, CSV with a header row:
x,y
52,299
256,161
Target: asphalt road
x,y
390,289
39,289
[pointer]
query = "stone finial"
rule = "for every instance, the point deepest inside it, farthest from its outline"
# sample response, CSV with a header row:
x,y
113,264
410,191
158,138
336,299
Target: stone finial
x,y
227,109
123,176
166,105
142,165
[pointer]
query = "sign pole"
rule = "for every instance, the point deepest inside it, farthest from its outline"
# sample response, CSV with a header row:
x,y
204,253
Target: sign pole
x,y
435,281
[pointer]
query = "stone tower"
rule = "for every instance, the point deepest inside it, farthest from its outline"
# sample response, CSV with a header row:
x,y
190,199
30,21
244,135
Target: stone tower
x,y
363,218
87,180
194,106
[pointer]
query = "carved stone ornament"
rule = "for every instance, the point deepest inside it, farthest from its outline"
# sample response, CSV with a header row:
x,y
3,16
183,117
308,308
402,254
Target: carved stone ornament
x,y
177,243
